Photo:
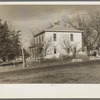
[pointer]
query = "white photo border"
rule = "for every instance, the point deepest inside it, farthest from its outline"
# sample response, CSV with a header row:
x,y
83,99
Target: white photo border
x,y
50,90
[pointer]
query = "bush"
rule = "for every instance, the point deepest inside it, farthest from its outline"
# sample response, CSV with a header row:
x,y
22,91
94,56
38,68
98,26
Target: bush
x,y
66,57
51,60
83,56
94,53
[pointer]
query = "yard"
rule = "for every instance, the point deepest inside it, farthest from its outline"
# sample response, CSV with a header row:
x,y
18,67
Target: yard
x,y
80,72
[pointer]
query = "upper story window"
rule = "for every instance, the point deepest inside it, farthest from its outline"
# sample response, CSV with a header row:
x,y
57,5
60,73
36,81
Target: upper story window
x,y
39,39
42,37
71,37
54,37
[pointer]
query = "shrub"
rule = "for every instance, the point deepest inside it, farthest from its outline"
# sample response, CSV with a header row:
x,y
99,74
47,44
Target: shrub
x,y
82,56
99,52
51,60
94,53
66,57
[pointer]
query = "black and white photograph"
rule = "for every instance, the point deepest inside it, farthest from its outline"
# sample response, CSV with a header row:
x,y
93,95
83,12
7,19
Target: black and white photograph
x,y
49,44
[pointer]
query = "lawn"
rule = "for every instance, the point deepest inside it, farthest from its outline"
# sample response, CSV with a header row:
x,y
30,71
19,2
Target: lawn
x,y
80,72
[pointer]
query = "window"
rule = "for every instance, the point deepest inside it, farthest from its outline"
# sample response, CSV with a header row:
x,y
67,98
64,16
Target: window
x,y
74,49
39,39
71,37
83,50
68,50
55,51
42,37
54,37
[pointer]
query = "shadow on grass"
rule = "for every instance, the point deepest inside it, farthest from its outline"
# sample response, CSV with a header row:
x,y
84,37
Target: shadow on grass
x,y
25,71
10,63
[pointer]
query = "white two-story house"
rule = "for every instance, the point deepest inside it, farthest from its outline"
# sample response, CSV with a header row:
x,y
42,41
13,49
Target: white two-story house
x,y
56,42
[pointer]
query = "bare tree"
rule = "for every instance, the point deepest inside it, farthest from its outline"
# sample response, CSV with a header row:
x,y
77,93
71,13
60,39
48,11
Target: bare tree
x,y
80,22
68,47
95,24
44,48
32,42
90,24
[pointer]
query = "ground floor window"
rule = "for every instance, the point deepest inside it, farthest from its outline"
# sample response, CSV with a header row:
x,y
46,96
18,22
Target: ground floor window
x,y
74,49
55,51
68,50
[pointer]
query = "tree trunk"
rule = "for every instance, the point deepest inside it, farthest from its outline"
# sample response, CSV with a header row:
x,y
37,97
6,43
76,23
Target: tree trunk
x,y
88,51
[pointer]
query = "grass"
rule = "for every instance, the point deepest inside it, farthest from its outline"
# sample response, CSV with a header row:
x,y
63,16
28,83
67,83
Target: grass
x,y
80,72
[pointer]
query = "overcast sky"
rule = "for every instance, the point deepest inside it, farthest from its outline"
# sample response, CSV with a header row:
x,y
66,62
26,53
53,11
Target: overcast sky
x,y
32,18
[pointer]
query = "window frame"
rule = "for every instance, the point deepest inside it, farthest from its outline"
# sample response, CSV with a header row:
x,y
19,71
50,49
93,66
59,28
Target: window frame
x,y
71,37
54,37
55,50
